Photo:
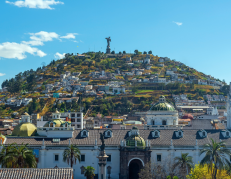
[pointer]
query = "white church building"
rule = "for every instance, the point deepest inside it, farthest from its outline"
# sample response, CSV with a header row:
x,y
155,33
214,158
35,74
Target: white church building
x,y
128,150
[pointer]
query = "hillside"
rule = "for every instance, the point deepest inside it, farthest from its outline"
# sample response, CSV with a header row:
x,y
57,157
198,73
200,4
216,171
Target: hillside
x,y
142,77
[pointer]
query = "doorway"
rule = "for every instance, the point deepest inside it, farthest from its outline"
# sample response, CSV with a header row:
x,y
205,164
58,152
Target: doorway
x,y
134,169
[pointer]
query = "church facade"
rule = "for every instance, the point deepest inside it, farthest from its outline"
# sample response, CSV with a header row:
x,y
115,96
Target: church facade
x,y
127,150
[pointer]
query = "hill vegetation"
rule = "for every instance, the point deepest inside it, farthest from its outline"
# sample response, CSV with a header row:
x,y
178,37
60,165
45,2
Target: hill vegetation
x,y
138,97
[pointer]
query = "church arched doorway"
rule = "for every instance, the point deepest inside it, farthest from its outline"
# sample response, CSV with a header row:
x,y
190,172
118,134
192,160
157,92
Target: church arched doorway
x,y
134,169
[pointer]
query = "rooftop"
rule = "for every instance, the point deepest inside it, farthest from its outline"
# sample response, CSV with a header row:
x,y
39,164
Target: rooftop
x,y
35,173
189,138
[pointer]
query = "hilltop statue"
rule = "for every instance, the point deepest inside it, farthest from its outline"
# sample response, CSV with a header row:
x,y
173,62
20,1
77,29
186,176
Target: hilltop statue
x,y
108,50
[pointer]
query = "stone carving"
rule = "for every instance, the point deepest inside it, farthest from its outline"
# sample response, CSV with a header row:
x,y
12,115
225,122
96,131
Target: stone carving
x,y
102,147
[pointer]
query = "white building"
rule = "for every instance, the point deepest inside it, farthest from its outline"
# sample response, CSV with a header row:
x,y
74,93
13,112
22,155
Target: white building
x,y
161,114
125,148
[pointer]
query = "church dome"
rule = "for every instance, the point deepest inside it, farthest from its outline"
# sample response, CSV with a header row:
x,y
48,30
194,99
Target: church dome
x,y
188,116
57,122
130,141
24,130
135,138
162,105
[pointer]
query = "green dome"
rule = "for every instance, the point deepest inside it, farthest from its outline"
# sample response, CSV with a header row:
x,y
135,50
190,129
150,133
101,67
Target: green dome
x,y
130,141
162,105
57,122
24,130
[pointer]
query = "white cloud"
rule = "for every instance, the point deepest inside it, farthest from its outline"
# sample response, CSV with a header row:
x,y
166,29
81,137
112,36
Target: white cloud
x,y
178,23
39,4
2,74
69,36
18,50
59,55
40,37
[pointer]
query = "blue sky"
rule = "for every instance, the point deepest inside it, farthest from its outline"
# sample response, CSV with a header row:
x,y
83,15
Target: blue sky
x,y
196,33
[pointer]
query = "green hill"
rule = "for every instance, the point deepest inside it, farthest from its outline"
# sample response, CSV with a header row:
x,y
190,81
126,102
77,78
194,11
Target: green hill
x,y
139,96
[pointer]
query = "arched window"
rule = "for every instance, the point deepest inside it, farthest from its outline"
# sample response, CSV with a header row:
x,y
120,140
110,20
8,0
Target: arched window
x,y
108,133
164,122
84,133
227,133
66,125
203,133
153,122
156,133
51,124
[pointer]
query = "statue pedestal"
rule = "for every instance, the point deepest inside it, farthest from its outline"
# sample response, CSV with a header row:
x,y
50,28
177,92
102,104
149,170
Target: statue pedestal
x,y
102,164
108,50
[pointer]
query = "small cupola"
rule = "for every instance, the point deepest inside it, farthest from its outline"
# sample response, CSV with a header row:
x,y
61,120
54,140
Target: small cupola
x,y
56,114
202,133
162,99
25,117
225,133
134,131
108,133
84,133
179,134
155,133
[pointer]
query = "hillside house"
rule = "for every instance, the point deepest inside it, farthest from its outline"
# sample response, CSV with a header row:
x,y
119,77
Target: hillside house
x,y
160,65
130,64
118,90
161,59
68,73
148,67
128,59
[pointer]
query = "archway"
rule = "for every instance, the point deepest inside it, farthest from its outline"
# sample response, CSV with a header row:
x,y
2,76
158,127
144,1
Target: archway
x,y
134,168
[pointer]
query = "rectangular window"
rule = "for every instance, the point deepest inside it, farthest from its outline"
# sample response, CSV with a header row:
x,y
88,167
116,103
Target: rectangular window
x,y
56,158
109,158
78,126
82,158
78,120
72,120
158,157
72,115
78,115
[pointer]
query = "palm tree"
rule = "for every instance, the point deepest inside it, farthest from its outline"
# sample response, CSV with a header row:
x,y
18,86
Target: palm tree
x,y
89,172
14,156
23,157
71,155
215,153
184,162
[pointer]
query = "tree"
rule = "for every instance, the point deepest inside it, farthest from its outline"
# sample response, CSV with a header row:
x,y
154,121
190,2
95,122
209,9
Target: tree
x,y
14,156
215,154
144,52
184,162
120,52
204,171
89,172
150,52
136,52
124,52
113,52
71,155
